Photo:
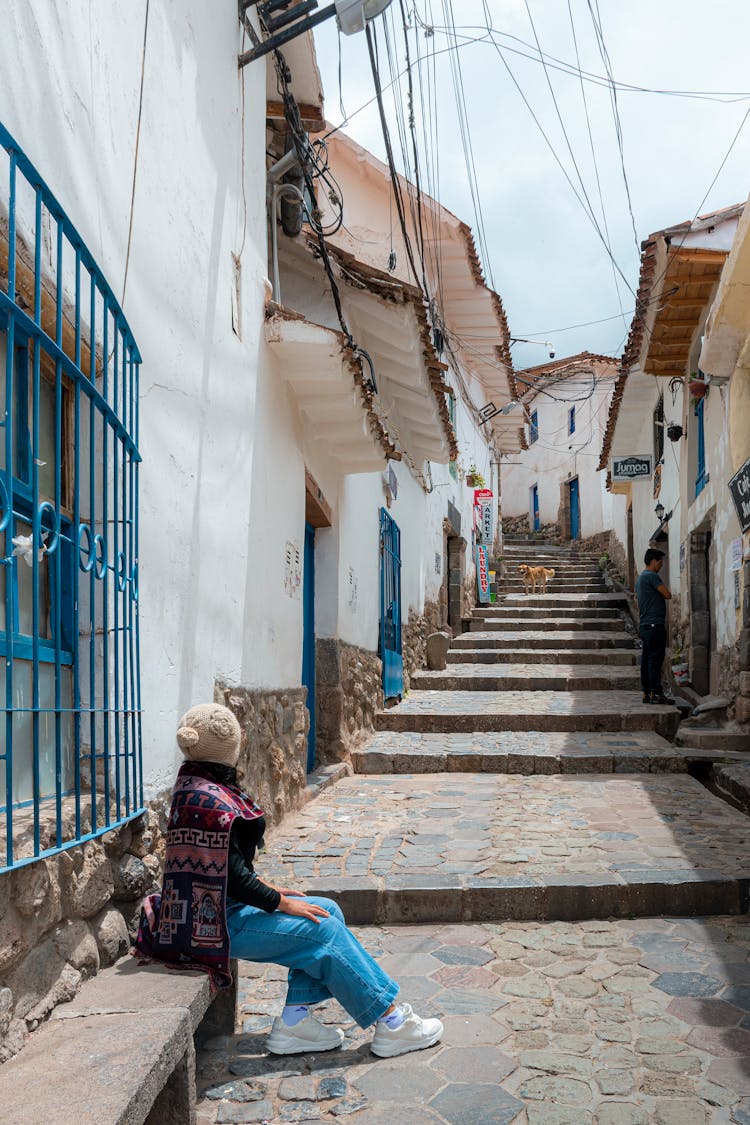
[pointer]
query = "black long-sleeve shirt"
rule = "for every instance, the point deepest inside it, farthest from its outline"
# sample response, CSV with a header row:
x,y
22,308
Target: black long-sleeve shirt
x,y
246,836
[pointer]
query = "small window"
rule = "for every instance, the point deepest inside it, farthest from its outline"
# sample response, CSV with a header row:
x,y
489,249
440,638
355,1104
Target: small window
x,y
452,465
534,427
572,420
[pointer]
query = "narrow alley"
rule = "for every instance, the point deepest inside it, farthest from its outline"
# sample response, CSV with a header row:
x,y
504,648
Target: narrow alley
x,y
522,845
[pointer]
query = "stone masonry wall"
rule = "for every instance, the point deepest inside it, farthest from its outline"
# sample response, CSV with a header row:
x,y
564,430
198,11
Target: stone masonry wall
x,y
65,917
349,692
273,762
414,638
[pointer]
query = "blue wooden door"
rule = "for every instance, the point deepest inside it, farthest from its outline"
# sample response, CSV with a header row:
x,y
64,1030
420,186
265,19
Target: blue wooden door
x,y
575,510
535,507
390,607
308,639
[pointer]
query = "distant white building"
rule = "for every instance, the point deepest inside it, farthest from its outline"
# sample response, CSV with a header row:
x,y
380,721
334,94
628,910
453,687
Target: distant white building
x,y
692,428
555,480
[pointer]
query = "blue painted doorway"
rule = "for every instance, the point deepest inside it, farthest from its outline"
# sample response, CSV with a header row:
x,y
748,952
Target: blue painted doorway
x,y
575,510
390,607
535,507
308,639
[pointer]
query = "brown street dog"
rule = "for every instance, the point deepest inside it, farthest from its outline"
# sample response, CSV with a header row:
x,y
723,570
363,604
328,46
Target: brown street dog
x,y
536,576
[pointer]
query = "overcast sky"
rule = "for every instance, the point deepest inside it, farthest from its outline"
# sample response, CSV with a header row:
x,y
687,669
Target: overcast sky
x,y
545,257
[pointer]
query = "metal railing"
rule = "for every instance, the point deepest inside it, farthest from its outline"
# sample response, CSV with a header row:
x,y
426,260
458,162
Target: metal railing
x,y
70,727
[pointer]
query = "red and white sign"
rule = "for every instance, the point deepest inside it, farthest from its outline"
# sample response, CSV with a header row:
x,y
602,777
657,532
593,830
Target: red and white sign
x,y
483,495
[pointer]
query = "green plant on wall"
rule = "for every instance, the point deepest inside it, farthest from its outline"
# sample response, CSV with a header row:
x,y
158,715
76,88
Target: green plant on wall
x,y
474,478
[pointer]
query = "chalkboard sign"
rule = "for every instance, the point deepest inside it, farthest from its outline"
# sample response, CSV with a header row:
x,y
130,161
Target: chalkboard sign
x,y
739,486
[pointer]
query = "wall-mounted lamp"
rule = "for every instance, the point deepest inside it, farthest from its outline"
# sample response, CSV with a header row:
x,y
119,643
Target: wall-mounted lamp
x,y
660,510
295,19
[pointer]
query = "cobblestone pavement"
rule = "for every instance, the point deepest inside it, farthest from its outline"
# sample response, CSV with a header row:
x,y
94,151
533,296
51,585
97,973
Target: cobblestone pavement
x,y
590,1023
498,825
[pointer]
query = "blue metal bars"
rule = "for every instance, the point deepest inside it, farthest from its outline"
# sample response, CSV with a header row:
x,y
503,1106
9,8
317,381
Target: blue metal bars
x,y
70,728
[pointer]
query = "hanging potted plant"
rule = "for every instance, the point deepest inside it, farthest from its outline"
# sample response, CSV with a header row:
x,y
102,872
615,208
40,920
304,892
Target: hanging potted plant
x,y
697,386
674,431
474,478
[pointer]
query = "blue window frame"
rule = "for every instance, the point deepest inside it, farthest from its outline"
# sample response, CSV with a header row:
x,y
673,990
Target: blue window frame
x,y
534,427
701,476
572,420
70,727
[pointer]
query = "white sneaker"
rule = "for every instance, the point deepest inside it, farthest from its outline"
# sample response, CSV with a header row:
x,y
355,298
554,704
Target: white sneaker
x,y
307,1035
414,1035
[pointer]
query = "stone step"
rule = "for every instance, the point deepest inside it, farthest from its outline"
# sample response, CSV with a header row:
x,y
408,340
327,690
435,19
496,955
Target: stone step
x,y
620,657
464,711
526,752
524,677
523,624
554,587
555,601
452,847
712,739
500,612
542,639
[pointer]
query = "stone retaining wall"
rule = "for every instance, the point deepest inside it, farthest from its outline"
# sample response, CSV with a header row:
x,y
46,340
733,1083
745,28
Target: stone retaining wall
x,y
65,917
349,687
273,763
415,634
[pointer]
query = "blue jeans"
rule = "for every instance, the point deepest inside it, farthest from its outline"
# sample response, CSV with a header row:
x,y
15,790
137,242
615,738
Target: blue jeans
x,y
324,959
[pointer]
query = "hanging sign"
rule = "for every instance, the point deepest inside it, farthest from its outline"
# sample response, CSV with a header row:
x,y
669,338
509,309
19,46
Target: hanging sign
x,y
631,468
739,486
483,574
484,514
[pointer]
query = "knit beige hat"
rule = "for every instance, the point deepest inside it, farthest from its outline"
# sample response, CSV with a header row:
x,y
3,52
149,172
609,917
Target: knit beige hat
x,y
210,733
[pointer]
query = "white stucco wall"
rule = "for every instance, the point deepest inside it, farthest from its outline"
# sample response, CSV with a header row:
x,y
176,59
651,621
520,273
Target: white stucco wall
x,y
69,89
223,443
714,506
558,456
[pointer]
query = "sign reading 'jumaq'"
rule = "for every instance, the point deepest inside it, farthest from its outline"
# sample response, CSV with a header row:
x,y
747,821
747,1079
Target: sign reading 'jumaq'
x,y
631,468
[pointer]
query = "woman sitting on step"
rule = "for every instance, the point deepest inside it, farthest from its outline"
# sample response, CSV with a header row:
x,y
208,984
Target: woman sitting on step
x,y
213,906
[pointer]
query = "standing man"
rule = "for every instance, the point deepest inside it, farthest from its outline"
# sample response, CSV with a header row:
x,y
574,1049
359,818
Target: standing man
x,y
652,597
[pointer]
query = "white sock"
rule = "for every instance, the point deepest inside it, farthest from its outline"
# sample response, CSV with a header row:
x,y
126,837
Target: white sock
x,y
294,1014
393,1020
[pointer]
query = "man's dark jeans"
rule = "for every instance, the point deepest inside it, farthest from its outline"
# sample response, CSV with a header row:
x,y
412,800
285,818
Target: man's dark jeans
x,y
654,639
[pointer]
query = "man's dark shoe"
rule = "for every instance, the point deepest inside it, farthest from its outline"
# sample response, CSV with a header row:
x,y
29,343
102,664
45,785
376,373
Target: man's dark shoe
x,y
648,697
662,701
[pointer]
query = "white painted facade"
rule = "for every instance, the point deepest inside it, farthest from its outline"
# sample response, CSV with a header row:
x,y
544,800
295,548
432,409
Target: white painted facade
x,y
225,444
557,456
695,506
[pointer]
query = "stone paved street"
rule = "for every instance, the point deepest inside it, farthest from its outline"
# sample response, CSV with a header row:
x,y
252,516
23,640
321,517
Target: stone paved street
x,y
526,781
613,1023
484,834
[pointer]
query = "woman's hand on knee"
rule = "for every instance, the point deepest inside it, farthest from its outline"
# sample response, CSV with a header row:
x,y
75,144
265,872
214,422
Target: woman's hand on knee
x,y
301,908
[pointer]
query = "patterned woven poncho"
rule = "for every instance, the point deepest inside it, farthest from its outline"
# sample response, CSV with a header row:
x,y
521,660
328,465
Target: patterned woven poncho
x,y
186,924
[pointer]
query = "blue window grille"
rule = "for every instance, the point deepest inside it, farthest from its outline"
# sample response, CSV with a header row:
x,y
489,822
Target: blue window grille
x,y
534,427
572,420
701,476
70,728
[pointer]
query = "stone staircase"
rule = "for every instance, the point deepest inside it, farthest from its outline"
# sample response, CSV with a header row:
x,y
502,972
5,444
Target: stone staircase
x,y
526,780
